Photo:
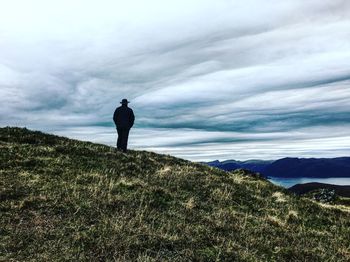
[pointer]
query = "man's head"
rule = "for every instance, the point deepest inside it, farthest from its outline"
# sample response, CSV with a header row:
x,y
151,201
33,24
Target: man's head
x,y
125,102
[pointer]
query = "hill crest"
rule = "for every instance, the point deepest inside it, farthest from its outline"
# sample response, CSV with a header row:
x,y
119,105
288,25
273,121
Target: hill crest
x,y
63,199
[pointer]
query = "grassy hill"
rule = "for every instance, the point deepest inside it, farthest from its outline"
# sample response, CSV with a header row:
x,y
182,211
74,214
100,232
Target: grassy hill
x,y
63,199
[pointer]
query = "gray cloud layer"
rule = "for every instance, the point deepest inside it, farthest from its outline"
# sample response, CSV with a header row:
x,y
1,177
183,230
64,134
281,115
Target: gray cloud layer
x,y
207,79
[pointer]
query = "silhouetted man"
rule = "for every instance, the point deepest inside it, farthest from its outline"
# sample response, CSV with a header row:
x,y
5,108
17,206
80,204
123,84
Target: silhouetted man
x,y
124,119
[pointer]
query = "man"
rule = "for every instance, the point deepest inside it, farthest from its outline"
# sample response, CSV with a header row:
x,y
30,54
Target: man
x,y
124,119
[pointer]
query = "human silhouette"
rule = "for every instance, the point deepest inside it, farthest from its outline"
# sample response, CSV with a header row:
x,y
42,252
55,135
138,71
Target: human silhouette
x,y
123,118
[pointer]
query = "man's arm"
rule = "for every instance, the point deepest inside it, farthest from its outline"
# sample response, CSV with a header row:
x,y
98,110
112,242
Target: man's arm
x,y
132,118
115,116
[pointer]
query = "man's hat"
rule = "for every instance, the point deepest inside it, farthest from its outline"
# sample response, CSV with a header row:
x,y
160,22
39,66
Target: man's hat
x,y
125,101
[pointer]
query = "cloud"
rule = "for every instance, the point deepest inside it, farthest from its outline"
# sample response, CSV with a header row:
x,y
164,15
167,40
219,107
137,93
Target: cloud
x,y
206,79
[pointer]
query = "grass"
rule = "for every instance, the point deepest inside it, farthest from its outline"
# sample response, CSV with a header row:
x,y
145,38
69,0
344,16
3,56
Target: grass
x,y
67,200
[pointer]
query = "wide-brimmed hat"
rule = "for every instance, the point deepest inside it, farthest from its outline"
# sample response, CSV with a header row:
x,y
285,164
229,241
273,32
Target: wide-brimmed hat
x,y
125,101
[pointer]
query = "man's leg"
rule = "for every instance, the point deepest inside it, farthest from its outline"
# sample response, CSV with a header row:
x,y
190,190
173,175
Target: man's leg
x,y
119,141
125,139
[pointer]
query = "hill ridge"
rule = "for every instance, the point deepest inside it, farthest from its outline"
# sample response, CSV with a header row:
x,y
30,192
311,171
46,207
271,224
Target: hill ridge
x,y
63,199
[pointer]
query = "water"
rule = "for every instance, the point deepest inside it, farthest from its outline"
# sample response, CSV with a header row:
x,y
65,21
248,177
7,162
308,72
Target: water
x,y
288,182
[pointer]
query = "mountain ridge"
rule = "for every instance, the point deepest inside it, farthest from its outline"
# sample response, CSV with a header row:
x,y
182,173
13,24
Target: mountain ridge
x,y
290,167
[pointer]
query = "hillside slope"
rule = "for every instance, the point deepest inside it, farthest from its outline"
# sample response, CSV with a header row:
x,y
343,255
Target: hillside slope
x,y
301,189
64,199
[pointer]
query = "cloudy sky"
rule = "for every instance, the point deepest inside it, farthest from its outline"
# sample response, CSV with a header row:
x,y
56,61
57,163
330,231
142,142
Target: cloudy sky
x,y
228,79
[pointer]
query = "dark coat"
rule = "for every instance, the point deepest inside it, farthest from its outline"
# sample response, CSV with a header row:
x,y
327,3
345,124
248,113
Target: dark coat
x,y
123,117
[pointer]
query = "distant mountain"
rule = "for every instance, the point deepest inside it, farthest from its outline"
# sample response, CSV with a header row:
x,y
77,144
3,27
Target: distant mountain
x,y
301,189
230,165
291,167
309,167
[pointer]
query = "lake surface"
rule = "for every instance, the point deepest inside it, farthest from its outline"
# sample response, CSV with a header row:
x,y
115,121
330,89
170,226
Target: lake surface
x,y
288,182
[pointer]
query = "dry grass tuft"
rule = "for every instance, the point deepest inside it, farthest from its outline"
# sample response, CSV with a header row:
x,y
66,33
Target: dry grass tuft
x,y
273,220
279,197
190,204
